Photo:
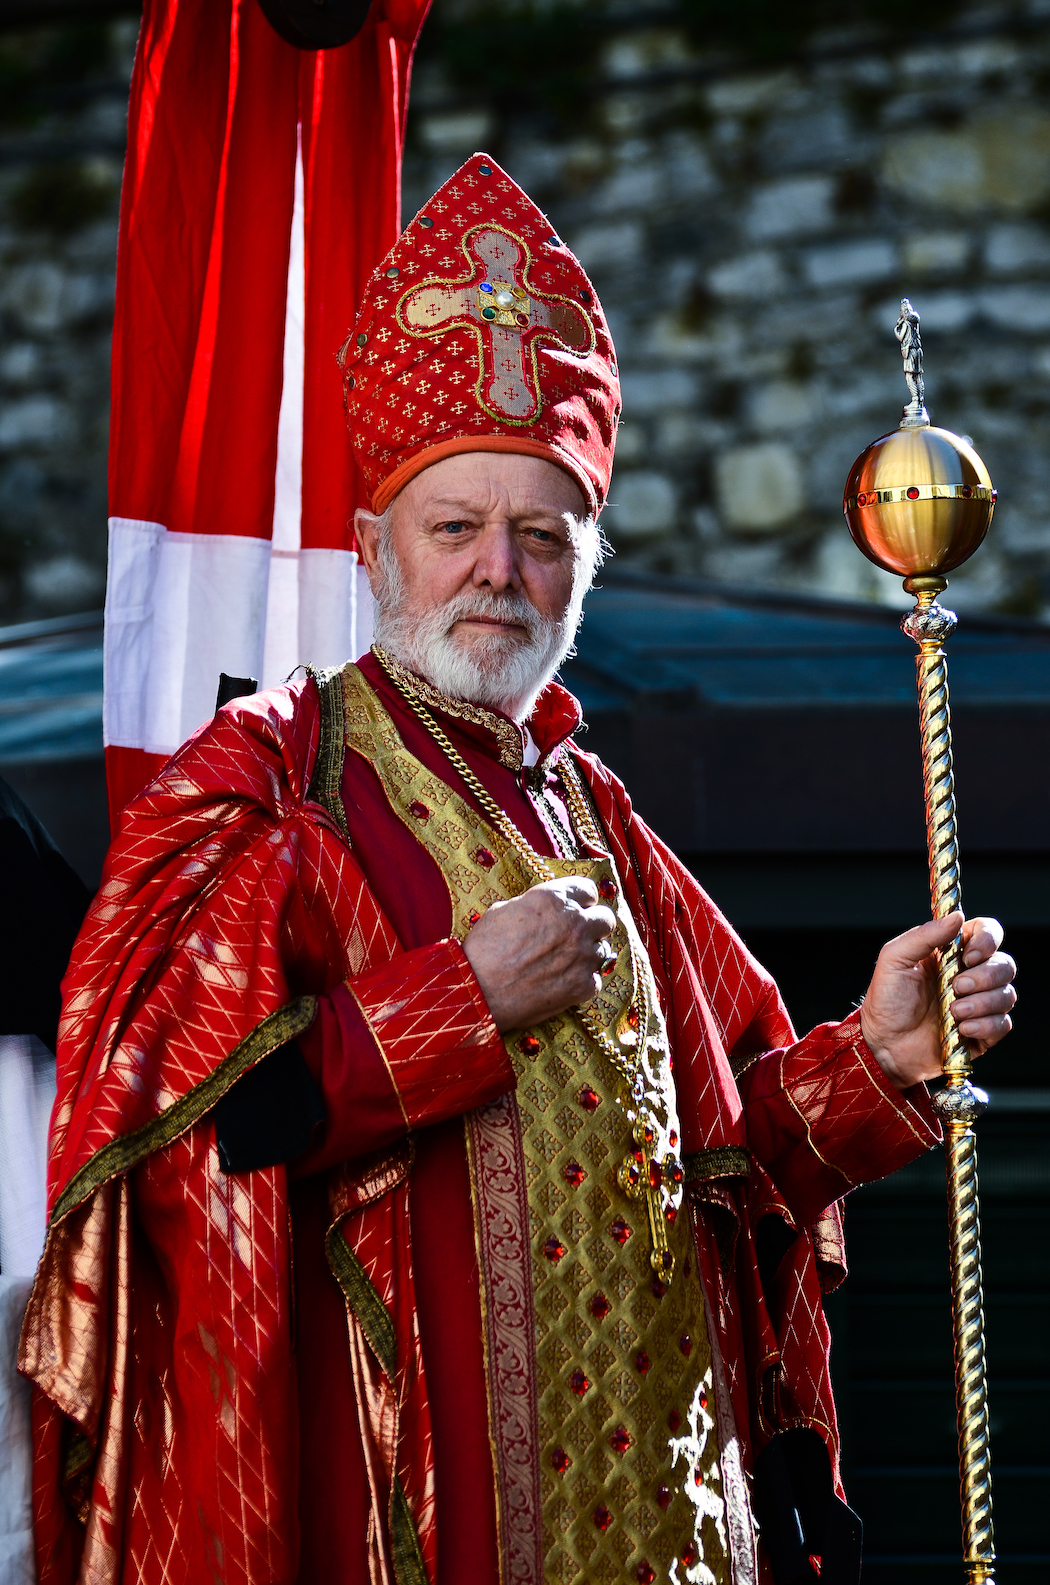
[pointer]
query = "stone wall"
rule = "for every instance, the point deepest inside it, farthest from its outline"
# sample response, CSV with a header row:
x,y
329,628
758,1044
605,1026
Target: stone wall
x,y
750,231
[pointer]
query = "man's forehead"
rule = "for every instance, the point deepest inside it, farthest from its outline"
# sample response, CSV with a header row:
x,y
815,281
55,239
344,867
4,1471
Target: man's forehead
x,y
494,500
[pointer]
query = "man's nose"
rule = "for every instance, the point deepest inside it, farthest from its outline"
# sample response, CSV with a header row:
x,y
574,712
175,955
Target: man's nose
x,y
496,565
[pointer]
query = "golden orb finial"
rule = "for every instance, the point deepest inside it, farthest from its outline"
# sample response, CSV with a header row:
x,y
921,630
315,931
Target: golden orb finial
x,y
919,500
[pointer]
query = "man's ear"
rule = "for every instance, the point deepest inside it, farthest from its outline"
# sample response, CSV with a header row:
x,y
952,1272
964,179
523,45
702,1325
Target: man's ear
x,y
366,533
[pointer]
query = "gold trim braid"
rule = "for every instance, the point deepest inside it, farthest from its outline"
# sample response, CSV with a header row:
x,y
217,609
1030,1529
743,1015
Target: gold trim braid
x,y
328,766
720,1161
125,1152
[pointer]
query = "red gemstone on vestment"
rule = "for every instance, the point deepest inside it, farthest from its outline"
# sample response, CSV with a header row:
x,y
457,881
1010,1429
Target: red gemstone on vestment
x,y
475,916
574,1173
913,494
589,1099
656,1174
664,1496
703,1400
648,1133
483,857
608,968
554,1249
671,1214
420,811
646,1573
560,1460
579,1383
606,888
674,1137
620,1440
600,1307
528,1045
675,1171
691,1555
620,1231
685,1343
674,1420
642,1362
658,1288
632,1017
602,1517
698,1477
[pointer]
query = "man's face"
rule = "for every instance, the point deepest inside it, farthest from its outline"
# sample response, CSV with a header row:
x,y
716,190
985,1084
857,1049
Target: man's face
x,y
475,574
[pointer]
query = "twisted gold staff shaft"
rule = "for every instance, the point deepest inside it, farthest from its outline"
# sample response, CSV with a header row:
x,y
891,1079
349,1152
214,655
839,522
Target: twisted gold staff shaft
x,y
959,1103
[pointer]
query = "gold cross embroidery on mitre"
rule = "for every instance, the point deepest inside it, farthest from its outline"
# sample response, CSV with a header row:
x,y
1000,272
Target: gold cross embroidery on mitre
x,y
508,316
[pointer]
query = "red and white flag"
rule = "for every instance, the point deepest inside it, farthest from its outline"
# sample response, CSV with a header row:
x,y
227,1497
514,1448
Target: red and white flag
x,y
262,187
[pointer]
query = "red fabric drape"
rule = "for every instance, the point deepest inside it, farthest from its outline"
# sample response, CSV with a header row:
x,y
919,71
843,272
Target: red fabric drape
x,y
202,266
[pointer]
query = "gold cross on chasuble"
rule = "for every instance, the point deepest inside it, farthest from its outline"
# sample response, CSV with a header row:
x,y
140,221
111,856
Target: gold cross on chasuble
x,y
601,1396
509,317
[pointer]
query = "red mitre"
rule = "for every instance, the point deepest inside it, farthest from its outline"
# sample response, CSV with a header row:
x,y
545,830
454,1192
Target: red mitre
x,y
480,332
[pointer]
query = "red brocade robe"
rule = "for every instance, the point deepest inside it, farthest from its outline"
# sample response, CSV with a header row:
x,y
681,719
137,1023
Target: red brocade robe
x,y
278,1375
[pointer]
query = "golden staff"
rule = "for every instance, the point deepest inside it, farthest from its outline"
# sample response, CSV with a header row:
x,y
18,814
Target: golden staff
x,y
918,502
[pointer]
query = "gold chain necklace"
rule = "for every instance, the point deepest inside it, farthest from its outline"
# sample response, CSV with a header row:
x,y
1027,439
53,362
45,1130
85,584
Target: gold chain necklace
x,y
641,1174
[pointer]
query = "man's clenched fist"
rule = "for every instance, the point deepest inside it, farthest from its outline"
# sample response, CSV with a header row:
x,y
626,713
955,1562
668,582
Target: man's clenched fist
x,y
541,953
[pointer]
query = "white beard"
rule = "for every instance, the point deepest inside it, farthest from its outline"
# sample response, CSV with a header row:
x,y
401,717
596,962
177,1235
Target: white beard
x,y
505,670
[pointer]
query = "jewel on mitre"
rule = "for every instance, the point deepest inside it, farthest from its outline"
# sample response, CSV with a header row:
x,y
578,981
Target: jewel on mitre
x,y
480,332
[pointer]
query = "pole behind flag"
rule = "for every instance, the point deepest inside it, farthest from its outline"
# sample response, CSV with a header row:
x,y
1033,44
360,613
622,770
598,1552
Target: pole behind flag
x,y
261,188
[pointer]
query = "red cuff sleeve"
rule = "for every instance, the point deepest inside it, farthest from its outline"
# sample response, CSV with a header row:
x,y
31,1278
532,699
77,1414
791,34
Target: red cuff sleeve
x,y
822,1117
409,1044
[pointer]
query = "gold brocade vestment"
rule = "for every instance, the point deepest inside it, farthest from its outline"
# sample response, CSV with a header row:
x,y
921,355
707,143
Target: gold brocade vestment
x,y
620,1376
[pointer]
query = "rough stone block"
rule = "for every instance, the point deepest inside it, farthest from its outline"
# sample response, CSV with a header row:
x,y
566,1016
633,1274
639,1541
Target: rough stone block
x,y
781,405
851,263
604,248
790,208
1023,308
742,96
822,137
656,391
946,311
759,487
459,132
1000,161
682,435
638,54
641,504
20,363
1009,250
65,581
751,275
934,252
34,421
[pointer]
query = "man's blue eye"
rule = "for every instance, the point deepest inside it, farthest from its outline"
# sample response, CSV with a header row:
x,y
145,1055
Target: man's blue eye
x,y
453,528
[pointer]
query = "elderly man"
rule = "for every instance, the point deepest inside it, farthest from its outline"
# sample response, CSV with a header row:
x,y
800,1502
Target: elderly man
x,y
439,1192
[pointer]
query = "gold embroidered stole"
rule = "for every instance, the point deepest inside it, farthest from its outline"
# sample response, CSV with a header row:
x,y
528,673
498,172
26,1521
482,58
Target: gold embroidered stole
x,y
623,1403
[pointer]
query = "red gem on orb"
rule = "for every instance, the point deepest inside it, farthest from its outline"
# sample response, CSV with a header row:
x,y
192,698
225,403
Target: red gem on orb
x,y
967,490
691,1555
646,1573
606,888
560,1460
674,1420
589,1099
862,499
528,1045
554,1249
600,1306
620,1231
685,1343
420,811
483,857
579,1383
620,1440
642,1362
602,1517
574,1173
664,1496
913,493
